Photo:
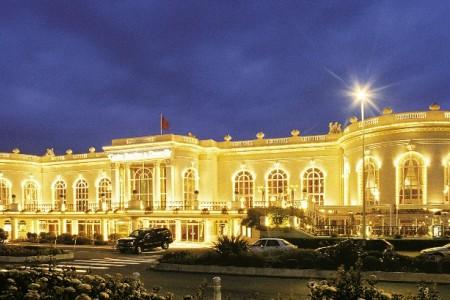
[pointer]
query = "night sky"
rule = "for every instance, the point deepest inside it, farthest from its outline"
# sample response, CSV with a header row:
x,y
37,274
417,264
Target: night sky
x,y
75,74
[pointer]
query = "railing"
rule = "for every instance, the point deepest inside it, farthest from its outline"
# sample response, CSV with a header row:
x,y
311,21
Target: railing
x,y
277,141
369,122
411,115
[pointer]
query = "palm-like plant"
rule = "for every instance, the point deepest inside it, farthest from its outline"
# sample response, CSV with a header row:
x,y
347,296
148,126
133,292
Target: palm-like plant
x,y
231,245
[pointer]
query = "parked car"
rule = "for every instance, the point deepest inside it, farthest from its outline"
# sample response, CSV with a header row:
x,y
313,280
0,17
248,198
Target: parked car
x,y
437,253
145,239
380,245
271,244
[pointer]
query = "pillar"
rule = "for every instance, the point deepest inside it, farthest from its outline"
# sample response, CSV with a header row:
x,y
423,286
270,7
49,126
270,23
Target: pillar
x,y
127,185
208,231
170,187
105,232
236,223
178,230
74,227
116,197
14,228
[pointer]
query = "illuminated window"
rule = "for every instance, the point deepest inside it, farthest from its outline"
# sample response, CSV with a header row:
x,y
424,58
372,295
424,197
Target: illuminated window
x,y
189,192
142,186
81,195
314,185
30,195
104,191
411,182
243,188
447,183
163,185
277,185
372,184
59,194
5,191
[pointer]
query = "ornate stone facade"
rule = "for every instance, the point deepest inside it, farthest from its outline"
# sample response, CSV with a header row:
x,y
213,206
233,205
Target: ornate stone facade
x,y
202,188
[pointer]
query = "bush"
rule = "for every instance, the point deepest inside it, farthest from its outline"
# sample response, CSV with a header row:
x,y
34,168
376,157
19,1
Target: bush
x,y
371,263
231,245
3,235
32,237
65,238
82,240
7,250
47,237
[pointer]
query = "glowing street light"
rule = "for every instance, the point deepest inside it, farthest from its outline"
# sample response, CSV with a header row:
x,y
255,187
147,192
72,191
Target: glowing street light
x,y
362,95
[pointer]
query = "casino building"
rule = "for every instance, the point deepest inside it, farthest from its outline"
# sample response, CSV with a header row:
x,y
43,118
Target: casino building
x,y
201,189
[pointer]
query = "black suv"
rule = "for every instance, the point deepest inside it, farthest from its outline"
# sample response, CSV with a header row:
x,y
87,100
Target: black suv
x,y
144,239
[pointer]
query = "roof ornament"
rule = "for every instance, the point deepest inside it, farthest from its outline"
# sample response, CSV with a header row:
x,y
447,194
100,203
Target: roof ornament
x,y
434,107
227,138
50,152
334,128
353,119
387,110
411,146
260,135
16,151
295,132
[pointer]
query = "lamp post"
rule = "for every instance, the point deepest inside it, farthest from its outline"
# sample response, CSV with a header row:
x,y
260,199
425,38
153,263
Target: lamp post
x,y
362,95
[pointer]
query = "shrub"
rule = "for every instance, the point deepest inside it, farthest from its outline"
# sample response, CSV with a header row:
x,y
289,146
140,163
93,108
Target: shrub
x,y
65,238
3,235
7,250
231,245
371,263
32,237
47,237
82,240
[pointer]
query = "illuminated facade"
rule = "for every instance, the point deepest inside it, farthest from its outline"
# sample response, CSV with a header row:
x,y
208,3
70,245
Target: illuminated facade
x,y
201,189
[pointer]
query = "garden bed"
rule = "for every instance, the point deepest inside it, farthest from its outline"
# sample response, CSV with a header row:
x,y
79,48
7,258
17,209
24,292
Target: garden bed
x,y
20,254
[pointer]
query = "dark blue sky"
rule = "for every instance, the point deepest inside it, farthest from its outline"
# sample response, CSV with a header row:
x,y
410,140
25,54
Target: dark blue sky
x,y
80,73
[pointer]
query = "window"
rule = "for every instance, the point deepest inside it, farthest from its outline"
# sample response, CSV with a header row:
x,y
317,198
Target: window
x,y
142,186
81,195
30,195
59,194
277,185
189,192
372,184
243,188
411,172
5,191
163,185
314,185
104,192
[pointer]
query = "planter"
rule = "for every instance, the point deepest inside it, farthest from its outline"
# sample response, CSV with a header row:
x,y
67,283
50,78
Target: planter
x,y
39,258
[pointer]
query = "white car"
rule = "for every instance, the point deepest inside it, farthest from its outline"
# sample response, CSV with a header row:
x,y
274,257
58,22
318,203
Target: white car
x,y
271,244
437,252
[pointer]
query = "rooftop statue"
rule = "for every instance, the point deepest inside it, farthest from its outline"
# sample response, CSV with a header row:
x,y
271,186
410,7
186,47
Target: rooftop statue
x,y
334,127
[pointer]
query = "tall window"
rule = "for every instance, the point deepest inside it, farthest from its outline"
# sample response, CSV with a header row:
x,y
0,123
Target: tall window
x,y
81,195
5,191
372,184
142,186
60,194
163,185
447,183
189,188
243,188
104,192
411,180
30,195
314,185
277,185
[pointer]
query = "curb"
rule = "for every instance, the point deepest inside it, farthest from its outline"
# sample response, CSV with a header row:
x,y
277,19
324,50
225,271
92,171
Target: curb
x,y
304,273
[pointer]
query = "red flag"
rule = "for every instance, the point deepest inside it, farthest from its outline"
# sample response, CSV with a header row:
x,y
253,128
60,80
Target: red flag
x,y
164,123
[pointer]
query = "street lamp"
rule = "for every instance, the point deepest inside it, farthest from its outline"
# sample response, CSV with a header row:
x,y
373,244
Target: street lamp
x,y
361,95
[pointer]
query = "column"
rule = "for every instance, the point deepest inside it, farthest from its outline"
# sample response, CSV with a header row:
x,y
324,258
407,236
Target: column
x,y
157,193
169,188
127,185
14,229
116,197
236,224
105,232
178,230
208,231
74,227
64,226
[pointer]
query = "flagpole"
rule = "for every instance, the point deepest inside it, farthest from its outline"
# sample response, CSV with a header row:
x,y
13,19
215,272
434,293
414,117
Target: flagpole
x,y
160,122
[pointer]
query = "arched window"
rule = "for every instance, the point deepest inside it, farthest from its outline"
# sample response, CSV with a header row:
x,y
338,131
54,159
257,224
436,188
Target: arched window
x,y
5,191
59,194
30,195
372,182
243,188
277,185
81,195
189,192
142,186
411,180
447,183
314,185
104,192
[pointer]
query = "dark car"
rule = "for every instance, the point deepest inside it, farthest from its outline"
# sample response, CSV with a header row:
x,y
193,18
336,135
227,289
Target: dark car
x,y
145,239
379,245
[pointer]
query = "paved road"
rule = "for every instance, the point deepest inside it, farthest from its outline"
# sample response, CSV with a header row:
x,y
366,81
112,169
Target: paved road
x,y
104,261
